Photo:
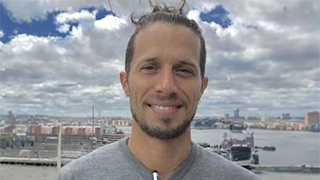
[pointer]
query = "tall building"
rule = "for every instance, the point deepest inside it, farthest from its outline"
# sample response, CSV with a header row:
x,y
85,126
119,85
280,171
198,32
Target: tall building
x,y
236,113
11,119
312,118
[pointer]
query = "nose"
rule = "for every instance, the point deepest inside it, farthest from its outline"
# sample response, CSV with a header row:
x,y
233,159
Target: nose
x,y
166,83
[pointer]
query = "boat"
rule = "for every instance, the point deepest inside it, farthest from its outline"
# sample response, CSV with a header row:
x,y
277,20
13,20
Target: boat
x,y
238,148
237,127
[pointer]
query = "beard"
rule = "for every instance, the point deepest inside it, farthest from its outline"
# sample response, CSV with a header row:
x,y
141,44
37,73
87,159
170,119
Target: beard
x,y
163,133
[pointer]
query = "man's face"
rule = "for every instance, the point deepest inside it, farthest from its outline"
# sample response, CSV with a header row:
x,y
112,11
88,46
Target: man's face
x,y
164,83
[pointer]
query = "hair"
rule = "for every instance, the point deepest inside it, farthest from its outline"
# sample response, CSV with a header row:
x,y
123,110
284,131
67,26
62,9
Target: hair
x,y
170,15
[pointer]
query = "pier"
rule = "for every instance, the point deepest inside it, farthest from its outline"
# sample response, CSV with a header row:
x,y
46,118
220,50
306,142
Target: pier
x,y
281,168
33,161
64,161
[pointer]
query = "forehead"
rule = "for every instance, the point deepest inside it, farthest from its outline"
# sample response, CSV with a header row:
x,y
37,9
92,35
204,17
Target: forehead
x,y
167,41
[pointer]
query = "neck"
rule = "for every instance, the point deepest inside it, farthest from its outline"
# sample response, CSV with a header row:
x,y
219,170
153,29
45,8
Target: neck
x,y
164,156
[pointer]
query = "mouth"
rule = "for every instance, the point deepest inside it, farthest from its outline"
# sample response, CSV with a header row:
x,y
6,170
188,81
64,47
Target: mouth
x,y
164,110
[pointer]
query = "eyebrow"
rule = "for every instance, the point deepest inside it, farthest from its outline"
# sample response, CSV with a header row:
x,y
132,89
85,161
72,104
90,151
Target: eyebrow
x,y
185,62
149,60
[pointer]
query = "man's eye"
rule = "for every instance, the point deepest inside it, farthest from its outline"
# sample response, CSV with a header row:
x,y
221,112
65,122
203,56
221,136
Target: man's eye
x,y
149,68
185,72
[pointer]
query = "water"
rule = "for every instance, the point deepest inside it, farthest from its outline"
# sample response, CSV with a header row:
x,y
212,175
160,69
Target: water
x,y
293,148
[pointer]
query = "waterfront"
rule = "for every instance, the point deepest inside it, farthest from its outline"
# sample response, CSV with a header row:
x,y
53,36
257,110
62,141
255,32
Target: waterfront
x,y
293,148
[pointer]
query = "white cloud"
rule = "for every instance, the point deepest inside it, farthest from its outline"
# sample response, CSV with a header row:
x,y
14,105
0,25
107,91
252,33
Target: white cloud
x,y
110,22
195,15
37,9
253,109
75,17
76,32
64,28
1,34
270,68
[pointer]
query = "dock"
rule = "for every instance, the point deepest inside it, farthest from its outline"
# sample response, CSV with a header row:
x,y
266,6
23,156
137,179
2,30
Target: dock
x,y
64,161
33,161
285,168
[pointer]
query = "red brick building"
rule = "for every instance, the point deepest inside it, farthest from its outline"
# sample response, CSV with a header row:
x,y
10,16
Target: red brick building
x,y
55,130
82,131
312,118
8,129
68,131
37,130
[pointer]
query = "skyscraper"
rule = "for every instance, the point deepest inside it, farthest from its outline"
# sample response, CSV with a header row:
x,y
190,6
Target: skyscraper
x,y
11,119
236,113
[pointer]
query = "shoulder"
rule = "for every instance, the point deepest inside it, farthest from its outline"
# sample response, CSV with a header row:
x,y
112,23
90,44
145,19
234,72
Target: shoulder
x,y
93,162
210,164
97,156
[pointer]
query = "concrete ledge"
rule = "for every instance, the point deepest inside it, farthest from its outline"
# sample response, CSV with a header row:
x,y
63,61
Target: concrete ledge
x,y
279,168
53,162
32,161
28,161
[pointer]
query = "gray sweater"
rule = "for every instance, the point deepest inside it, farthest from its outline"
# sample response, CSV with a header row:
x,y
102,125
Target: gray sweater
x,y
116,162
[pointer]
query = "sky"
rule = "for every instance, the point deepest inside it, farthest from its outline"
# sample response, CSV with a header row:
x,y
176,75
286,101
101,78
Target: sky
x,y
60,57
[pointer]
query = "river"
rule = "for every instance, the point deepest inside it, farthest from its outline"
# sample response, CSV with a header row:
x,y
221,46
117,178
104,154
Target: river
x,y
292,148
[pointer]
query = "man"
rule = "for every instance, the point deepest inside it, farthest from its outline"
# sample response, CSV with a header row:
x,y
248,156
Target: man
x,y
164,79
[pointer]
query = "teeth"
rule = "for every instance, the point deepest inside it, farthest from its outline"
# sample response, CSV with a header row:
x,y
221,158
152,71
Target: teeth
x,y
164,108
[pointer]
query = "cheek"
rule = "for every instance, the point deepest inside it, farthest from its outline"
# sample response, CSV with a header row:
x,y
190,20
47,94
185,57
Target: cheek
x,y
193,93
137,92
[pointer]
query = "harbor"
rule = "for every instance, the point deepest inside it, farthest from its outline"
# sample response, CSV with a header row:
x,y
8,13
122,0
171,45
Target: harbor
x,y
273,165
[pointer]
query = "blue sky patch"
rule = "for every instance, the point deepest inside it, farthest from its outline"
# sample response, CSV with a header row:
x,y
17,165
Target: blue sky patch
x,y
40,27
217,15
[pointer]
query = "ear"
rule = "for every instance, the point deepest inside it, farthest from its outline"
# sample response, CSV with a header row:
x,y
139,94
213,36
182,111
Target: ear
x,y
204,84
124,83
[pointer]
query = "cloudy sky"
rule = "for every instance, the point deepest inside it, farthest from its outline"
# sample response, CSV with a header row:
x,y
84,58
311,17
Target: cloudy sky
x,y
58,57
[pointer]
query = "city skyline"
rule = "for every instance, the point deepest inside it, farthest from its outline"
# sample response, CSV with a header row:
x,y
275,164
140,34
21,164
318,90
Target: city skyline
x,y
59,58
100,114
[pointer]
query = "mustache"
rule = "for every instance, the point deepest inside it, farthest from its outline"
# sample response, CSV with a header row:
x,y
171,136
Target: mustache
x,y
170,97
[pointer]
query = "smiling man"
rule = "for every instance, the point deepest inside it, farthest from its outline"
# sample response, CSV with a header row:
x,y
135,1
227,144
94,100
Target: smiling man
x,y
164,78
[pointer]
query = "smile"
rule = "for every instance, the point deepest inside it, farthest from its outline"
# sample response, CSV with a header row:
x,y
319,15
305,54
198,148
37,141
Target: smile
x,y
164,110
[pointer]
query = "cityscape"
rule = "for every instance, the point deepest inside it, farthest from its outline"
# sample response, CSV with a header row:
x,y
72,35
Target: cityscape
x,y
35,136
85,126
